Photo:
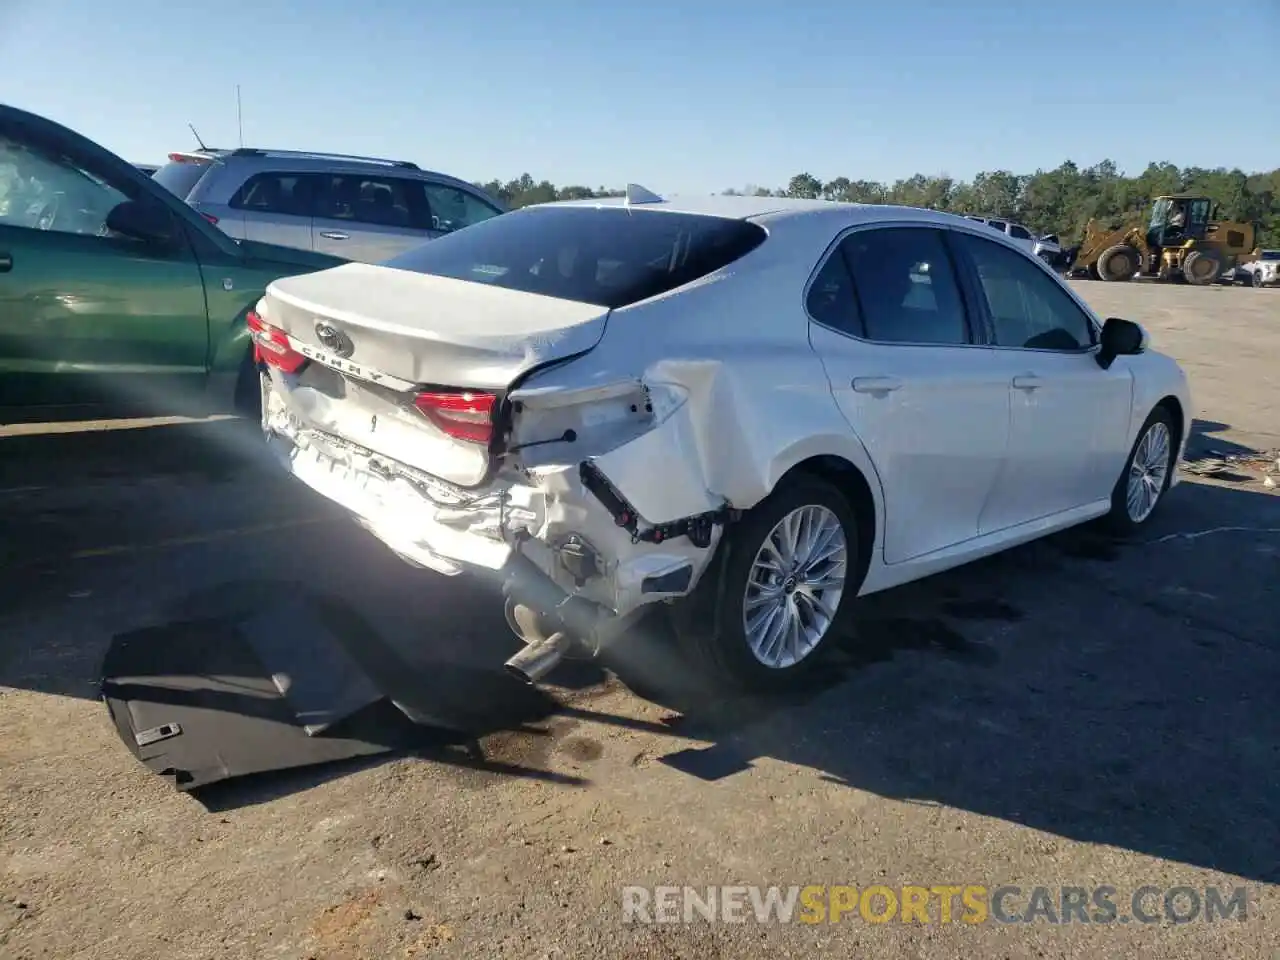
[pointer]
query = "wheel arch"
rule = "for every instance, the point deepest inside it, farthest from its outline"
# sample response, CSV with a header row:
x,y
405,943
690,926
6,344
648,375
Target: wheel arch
x,y
1173,406
230,349
857,489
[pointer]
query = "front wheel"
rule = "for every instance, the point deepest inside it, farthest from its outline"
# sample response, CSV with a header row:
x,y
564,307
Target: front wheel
x,y
1146,476
786,583
1118,263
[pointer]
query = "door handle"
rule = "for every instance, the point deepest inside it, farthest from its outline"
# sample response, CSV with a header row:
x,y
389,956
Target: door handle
x,y
334,235
6,262
1027,382
875,384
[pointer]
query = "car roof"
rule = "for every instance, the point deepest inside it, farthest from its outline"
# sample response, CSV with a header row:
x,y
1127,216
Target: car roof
x,y
809,223
730,206
777,209
262,159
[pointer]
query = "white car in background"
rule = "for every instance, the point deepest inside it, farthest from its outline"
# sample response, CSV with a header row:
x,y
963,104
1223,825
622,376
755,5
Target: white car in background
x,y
1048,248
1263,272
746,411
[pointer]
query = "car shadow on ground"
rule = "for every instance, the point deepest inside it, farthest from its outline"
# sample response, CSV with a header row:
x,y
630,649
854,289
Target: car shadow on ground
x,y
1205,440
123,450
1106,691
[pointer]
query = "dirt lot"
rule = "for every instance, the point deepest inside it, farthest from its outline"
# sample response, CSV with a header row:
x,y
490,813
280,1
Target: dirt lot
x,y
1074,712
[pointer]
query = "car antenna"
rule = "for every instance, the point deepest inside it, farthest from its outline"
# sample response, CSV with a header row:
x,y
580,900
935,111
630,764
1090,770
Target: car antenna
x,y
637,194
197,136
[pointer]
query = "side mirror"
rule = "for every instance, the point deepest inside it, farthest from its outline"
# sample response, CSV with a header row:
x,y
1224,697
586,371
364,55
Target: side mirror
x,y
149,222
1120,338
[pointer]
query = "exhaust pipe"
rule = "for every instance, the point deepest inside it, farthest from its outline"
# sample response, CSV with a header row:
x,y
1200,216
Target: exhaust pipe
x,y
546,618
541,652
538,658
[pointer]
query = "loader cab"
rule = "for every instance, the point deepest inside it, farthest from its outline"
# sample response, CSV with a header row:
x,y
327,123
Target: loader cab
x,y
1175,220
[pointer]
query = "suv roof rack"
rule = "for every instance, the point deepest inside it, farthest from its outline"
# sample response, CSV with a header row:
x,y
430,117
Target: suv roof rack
x,y
320,155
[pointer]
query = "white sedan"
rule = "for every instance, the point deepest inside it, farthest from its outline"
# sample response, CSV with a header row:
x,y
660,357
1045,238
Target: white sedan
x,y
747,411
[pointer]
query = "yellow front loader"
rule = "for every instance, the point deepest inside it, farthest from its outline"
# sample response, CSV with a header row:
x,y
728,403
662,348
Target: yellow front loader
x,y
1185,240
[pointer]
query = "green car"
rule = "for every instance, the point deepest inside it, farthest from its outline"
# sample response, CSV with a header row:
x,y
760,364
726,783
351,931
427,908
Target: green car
x,y
113,292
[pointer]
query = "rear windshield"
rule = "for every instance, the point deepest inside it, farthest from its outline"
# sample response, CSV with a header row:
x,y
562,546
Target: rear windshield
x,y
180,178
607,256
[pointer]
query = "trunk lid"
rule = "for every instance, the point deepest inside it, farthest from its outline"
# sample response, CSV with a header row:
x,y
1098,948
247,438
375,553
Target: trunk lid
x,y
399,368
431,330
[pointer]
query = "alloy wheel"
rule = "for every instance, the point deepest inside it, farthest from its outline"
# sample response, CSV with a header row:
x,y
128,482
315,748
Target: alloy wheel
x,y
795,585
1148,472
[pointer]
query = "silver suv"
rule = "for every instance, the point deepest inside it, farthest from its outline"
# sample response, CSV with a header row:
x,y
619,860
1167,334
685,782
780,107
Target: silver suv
x,y
360,208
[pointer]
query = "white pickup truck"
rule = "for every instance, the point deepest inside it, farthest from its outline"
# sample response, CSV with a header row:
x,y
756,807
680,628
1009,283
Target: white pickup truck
x,y
1047,248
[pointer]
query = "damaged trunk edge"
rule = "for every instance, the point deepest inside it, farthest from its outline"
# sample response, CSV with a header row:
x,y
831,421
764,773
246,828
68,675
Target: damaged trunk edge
x,y
596,504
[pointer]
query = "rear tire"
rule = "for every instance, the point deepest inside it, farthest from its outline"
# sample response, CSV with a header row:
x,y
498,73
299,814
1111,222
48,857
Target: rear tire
x,y
1118,263
1147,473
1255,279
780,594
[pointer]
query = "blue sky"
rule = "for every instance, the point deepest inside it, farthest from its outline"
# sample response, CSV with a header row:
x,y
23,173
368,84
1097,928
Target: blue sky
x,y
681,95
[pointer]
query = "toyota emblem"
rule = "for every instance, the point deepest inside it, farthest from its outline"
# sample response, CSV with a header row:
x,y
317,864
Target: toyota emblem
x,y
333,339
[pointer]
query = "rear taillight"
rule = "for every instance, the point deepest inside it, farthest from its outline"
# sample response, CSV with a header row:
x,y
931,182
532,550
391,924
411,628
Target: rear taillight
x,y
271,345
463,414
211,218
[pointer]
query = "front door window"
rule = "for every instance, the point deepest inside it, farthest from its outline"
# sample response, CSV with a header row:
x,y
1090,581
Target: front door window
x,y
43,190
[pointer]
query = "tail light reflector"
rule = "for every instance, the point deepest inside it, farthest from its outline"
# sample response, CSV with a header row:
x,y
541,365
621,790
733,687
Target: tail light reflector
x,y
463,414
271,345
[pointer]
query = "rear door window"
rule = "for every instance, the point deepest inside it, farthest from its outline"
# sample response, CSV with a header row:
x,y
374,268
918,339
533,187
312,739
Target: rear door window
x,y
287,193
608,256
831,300
1019,233
378,201
997,224
41,188
906,287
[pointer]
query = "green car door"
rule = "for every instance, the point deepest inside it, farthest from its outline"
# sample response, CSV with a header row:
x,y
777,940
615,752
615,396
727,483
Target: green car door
x,y
88,315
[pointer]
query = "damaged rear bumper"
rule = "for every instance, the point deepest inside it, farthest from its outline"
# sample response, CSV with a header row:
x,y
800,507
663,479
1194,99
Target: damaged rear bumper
x,y
563,539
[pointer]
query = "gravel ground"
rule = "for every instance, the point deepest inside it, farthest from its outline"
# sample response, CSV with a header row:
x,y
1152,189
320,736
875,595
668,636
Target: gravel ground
x,y
1074,712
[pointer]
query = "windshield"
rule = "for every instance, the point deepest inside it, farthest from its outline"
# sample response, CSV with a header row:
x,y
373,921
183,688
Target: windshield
x,y
1160,212
1269,255
607,256
180,178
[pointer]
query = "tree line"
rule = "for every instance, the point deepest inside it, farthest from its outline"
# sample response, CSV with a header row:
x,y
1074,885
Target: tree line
x,y
1057,201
